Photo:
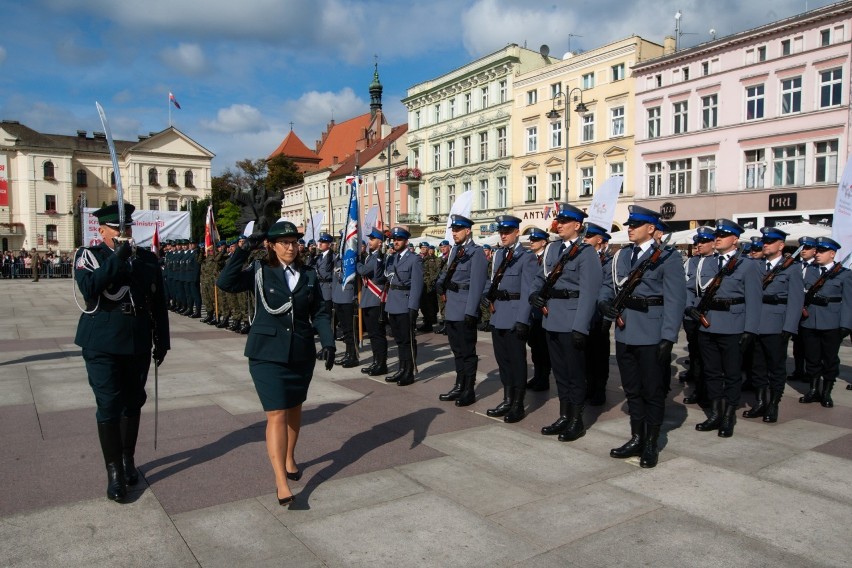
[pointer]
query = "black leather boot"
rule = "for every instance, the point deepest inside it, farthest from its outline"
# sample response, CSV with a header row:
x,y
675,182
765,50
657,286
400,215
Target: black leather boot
x,y
650,451
235,325
813,394
245,328
760,404
772,408
381,367
213,320
195,314
395,377
407,376
561,423
468,394
207,318
368,369
825,396
223,322
109,434
633,447
352,357
517,412
729,418
713,419
575,428
441,328
129,433
503,408
454,392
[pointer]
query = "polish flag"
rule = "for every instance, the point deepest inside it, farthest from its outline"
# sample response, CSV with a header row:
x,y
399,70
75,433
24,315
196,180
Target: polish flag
x,y
173,100
155,241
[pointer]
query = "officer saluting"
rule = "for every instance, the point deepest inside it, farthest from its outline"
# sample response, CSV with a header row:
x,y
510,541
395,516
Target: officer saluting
x,y
462,281
125,315
404,273
506,293
651,316
372,273
567,288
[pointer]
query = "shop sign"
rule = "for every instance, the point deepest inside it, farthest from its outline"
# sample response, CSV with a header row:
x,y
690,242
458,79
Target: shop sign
x,y
667,210
782,202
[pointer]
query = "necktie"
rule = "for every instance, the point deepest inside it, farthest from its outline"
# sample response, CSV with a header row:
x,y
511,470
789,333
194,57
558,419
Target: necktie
x,y
561,248
635,257
540,258
822,270
721,261
768,266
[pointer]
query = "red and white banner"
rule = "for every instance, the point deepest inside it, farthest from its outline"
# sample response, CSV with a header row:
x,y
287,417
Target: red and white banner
x,y
169,224
211,233
4,180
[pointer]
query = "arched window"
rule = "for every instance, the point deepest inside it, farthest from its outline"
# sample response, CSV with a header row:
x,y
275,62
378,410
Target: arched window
x,y
153,177
172,177
82,178
188,179
48,170
112,178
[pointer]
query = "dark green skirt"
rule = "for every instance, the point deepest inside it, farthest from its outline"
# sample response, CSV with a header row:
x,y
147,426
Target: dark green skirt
x,y
281,385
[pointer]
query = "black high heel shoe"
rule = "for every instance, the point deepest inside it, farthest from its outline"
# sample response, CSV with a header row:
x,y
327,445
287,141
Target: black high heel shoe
x,y
295,476
286,500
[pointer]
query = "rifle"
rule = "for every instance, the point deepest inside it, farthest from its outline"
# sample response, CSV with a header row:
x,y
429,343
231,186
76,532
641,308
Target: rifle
x,y
554,275
788,261
635,278
498,277
710,292
817,286
451,269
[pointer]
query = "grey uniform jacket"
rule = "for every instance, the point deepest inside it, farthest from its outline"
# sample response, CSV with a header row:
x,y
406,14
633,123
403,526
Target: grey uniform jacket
x,y
464,291
743,283
782,301
606,269
325,272
833,314
582,274
341,294
405,276
512,303
372,272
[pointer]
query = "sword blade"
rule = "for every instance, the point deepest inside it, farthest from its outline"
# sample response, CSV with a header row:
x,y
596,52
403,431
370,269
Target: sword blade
x,y
119,191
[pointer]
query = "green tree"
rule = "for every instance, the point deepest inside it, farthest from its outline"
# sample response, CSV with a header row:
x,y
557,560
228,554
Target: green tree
x,y
282,173
226,221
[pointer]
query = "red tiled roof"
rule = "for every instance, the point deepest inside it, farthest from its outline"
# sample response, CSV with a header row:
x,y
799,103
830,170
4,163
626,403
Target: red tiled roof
x,y
293,147
341,139
347,167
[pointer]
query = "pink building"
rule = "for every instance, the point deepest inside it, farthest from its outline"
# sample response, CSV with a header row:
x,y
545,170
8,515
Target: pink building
x,y
752,127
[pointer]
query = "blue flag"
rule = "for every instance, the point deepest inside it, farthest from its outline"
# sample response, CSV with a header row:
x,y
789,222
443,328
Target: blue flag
x,y
349,252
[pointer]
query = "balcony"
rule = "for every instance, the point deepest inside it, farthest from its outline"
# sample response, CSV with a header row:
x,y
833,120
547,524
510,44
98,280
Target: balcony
x,y
409,218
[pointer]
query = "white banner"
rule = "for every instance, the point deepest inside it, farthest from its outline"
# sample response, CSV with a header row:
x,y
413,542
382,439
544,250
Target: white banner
x,y
312,231
173,225
370,220
841,227
602,209
462,206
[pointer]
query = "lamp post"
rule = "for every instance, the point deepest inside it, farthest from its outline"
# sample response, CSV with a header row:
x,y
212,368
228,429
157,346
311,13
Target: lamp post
x,y
383,157
554,115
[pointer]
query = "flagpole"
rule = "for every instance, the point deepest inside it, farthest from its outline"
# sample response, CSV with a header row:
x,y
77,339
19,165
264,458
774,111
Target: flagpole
x,y
169,105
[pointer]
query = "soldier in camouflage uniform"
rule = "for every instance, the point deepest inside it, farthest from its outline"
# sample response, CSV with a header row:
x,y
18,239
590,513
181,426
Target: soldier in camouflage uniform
x,y
485,313
208,283
228,301
429,297
444,246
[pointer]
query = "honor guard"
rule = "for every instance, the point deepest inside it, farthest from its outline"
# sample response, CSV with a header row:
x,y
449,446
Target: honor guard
x,y
461,283
484,313
729,305
826,320
373,295
597,354
703,245
566,292
645,296
806,258
505,298
756,250
343,297
404,273
783,298
125,316
537,341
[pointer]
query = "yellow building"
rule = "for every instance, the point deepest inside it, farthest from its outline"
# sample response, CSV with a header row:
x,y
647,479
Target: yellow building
x,y
599,137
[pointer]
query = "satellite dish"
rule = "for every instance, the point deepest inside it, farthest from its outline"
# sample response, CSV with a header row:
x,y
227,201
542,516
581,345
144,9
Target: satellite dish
x,y
713,33
544,50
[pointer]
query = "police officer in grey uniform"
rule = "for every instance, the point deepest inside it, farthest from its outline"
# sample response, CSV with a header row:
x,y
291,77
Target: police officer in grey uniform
x,y
538,338
404,273
652,316
703,241
597,353
806,258
462,281
343,297
372,273
324,265
570,305
506,293
734,318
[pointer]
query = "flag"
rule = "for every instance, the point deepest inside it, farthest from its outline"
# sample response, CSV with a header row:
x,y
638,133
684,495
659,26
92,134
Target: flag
x,y
351,243
174,100
602,209
841,228
155,240
462,206
211,234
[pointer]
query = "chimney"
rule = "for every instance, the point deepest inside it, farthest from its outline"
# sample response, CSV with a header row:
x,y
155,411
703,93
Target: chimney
x,y
669,45
81,134
334,160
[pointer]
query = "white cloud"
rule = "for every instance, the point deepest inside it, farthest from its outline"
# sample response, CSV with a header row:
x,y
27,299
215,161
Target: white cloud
x,y
238,118
315,109
186,57
492,24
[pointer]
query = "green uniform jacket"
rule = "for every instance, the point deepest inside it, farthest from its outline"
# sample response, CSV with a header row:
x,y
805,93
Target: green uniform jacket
x,y
288,336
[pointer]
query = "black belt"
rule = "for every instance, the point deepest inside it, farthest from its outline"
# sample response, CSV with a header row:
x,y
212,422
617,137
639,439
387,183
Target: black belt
x,y
824,301
563,294
456,287
399,287
640,303
504,296
774,300
125,307
724,304
324,280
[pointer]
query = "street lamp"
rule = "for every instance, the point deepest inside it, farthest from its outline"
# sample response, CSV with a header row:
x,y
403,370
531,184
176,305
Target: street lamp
x,y
383,157
554,115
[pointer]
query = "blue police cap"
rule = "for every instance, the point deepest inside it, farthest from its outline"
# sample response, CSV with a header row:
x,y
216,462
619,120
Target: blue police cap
x,y
747,247
537,234
704,233
662,226
825,242
232,242
593,230
326,238
486,247
728,226
808,241
638,215
444,243
400,233
566,211
756,242
375,234
508,222
774,233
423,244
460,221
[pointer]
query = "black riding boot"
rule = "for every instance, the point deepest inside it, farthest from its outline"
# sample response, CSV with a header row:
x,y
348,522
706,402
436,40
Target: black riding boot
x,y
109,434
713,419
352,359
813,395
760,404
633,447
129,433
407,376
650,451
454,392
503,408
400,369
561,423
825,396
467,396
729,418
772,408
517,412
575,428
381,367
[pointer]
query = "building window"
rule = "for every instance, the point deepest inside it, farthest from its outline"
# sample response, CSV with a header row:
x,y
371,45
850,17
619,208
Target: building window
x,y
366,187
153,177
82,178
154,204
617,121
555,89
415,153
172,204
588,127
786,47
436,200
501,142
556,134
51,233
588,81
532,97
451,154
396,210
655,179
706,174
502,193
451,194
680,176
587,181
466,187
451,108
466,149
112,179
49,171
50,204
172,177
755,163
484,97
467,103
483,194
616,169
829,88
504,93
705,68
555,186
532,139
761,53
531,183
791,95
658,79
789,165
483,146
618,72
437,114
685,73
436,157
709,111
825,37
654,122
754,102
826,162
417,119
680,117
188,179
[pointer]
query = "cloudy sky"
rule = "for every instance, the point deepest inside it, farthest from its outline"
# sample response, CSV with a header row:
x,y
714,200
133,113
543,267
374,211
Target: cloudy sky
x,y
243,71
